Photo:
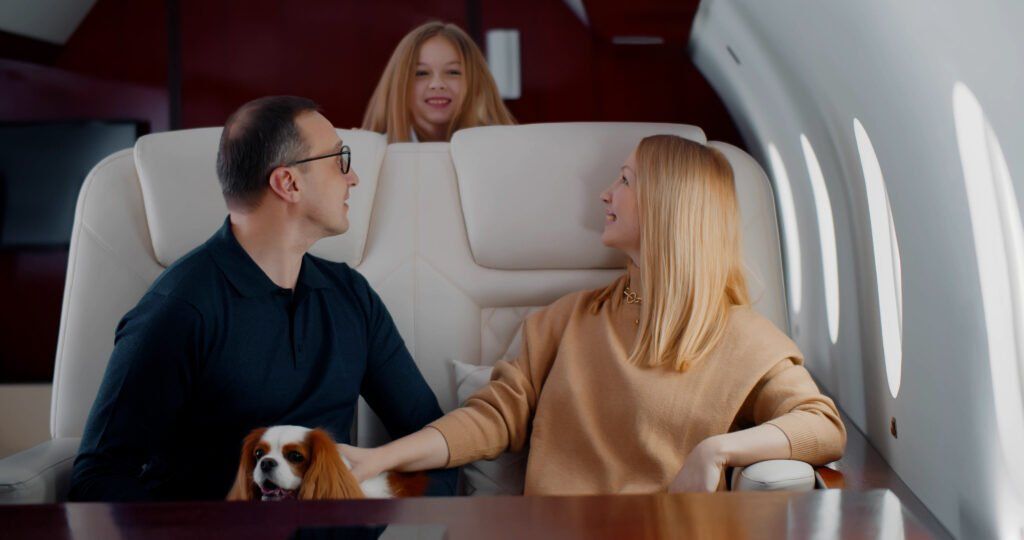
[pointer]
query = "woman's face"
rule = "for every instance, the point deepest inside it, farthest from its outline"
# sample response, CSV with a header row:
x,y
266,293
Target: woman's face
x,y
437,87
622,217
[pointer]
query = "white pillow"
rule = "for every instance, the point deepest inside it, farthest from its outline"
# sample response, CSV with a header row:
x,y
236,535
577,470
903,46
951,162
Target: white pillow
x,y
504,475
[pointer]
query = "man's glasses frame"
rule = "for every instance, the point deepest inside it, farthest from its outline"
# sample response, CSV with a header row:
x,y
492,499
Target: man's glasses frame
x,y
346,159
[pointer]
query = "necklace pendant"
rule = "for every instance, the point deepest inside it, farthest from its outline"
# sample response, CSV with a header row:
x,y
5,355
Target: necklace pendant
x,y
631,296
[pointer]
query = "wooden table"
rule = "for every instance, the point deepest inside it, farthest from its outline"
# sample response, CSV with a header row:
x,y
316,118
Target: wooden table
x,y
815,514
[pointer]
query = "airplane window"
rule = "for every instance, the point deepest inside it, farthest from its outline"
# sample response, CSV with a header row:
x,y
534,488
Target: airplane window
x,y
887,260
827,234
789,230
999,248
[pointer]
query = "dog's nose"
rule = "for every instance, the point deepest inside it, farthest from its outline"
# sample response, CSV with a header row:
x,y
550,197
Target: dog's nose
x,y
268,464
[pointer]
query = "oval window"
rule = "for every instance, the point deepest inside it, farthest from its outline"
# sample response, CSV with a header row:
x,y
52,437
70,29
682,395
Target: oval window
x,y
787,210
827,235
887,260
999,250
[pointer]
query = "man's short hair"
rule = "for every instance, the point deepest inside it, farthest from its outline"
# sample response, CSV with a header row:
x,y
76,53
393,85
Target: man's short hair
x,y
258,137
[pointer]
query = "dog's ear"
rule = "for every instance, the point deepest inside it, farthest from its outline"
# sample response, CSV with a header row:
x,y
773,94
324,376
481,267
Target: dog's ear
x,y
244,488
327,476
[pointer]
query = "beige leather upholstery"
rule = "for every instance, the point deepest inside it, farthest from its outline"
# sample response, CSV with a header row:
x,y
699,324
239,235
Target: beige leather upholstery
x,y
183,204
530,194
460,241
762,252
774,475
110,266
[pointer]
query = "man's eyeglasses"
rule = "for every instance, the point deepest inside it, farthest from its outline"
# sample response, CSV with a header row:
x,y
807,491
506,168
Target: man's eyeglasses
x,y
346,159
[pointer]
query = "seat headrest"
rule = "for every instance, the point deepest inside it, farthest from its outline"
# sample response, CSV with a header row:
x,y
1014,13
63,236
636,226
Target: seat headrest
x,y
761,250
531,193
184,206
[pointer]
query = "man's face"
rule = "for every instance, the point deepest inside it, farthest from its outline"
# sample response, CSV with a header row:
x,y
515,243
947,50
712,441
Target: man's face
x,y
324,188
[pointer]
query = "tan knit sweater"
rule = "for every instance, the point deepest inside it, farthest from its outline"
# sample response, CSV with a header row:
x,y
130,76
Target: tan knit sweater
x,y
598,424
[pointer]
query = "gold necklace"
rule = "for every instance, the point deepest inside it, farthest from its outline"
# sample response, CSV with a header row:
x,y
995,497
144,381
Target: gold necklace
x,y
631,296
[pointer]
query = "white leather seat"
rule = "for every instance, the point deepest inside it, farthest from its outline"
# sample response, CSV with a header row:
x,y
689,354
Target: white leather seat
x,y
460,241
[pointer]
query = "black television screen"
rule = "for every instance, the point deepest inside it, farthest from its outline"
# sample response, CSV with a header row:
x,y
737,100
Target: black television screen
x,y
42,166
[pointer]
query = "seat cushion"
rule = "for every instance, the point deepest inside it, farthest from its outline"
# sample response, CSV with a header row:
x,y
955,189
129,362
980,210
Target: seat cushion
x,y
504,475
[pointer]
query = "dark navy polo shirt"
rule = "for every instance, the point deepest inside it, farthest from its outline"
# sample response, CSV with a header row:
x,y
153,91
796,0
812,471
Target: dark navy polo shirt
x,y
215,349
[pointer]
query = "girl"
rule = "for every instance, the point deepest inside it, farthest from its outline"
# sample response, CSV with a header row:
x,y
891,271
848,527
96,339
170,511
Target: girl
x,y
435,84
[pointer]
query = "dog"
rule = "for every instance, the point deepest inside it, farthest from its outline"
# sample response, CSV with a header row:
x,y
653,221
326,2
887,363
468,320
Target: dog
x,y
294,462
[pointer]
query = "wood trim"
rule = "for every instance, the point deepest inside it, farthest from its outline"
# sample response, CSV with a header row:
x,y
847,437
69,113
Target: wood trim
x,y
829,478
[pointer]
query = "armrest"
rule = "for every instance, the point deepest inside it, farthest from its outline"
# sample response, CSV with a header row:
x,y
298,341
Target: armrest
x,y
774,475
39,475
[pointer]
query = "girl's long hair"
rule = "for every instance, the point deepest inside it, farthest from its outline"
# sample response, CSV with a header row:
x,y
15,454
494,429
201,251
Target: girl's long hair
x,y
389,112
691,254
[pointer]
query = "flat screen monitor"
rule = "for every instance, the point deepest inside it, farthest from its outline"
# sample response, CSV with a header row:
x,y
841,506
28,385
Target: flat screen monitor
x,y
42,167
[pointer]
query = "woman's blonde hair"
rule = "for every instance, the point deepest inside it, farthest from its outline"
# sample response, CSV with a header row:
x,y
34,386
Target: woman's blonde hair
x,y
389,112
691,256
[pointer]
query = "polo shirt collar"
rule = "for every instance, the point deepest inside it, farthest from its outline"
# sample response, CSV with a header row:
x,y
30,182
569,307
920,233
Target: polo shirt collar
x,y
246,276
310,276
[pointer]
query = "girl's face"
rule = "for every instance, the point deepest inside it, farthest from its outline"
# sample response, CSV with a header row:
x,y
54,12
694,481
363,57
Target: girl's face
x,y
437,87
622,216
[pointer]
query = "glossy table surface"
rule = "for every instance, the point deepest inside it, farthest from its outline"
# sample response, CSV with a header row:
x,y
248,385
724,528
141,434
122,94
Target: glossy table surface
x,y
814,514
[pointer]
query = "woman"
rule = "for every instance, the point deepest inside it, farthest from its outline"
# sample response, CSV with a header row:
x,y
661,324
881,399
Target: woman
x,y
657,381
435,84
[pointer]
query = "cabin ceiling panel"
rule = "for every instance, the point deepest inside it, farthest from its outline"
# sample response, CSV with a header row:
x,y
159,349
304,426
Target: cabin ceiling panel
x,y
52,21
667,19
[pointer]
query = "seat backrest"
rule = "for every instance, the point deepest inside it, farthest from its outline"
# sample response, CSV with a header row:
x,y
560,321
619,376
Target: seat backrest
x,y
139,210
469,237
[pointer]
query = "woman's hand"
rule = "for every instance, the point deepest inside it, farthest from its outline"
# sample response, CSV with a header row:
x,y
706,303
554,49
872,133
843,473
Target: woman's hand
x,y
423,450
366,462
702,469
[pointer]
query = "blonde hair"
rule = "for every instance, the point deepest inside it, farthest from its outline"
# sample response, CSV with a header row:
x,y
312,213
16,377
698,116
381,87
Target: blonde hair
x,y
389,112
691,257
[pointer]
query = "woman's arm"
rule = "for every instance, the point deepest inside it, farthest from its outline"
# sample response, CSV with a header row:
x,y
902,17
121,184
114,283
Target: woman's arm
x,y
422,450
788,399
702,469
492,421
793,421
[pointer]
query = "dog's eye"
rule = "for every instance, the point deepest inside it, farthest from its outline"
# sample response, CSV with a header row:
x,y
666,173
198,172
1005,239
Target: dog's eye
x,y
295,457
258,453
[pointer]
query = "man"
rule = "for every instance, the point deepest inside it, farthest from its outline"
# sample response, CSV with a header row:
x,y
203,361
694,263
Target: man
x,y
249,330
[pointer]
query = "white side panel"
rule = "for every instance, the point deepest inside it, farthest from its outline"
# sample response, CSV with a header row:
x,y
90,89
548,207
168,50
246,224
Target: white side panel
x,y
790,67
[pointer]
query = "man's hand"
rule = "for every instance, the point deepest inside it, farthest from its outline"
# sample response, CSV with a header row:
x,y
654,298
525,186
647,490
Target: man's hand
x,y
702,469
365,461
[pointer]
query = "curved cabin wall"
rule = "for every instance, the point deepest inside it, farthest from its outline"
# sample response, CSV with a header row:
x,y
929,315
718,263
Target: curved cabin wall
x,y
788,68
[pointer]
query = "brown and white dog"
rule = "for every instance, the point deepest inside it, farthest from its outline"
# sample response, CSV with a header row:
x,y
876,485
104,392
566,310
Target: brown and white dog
x,y
293,462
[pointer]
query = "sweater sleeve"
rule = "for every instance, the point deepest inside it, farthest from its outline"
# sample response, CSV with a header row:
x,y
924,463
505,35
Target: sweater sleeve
x,y
498,417
787,398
